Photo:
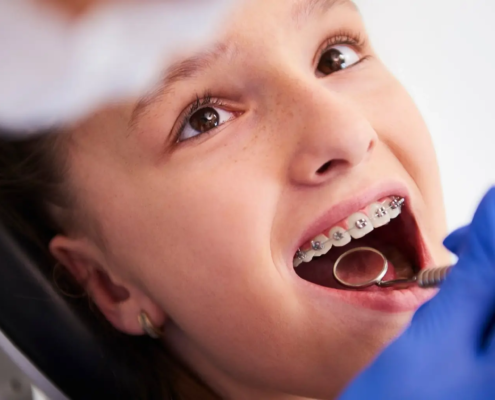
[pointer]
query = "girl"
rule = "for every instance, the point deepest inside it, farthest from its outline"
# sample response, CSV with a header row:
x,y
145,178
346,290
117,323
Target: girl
x,y
202,212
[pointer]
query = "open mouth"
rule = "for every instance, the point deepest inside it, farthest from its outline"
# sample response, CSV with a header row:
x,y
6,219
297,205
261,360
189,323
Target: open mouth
x,y
387,226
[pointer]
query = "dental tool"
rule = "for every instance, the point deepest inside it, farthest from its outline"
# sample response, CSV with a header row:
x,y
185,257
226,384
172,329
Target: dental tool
x,y
428,278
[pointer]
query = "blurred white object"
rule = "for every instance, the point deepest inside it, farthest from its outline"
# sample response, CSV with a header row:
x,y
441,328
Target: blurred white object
x,y
53,70
37,394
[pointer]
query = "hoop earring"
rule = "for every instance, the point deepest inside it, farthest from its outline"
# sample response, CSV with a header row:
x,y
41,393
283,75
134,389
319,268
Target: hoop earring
x,y
148,327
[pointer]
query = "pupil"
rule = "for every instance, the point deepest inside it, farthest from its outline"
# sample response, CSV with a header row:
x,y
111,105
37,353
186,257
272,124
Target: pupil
x,y
332,61
204,120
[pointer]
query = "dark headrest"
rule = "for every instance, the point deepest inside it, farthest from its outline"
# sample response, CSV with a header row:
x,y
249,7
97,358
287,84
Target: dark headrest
x,y
63,339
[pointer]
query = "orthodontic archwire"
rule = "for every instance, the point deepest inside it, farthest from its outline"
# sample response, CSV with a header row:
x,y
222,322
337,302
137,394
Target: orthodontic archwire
x,y
397,202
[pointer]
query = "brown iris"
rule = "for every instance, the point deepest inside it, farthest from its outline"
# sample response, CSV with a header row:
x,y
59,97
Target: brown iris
x,y
205,120
331,61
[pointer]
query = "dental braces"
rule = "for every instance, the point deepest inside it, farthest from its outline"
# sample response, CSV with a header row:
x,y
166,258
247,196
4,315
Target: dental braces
x,y
397,202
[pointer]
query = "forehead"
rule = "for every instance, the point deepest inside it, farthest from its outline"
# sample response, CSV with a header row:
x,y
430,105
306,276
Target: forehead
x,y
288,12
295,9
271,23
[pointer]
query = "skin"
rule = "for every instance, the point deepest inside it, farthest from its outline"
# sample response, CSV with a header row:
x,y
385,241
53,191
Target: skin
x,y
198,234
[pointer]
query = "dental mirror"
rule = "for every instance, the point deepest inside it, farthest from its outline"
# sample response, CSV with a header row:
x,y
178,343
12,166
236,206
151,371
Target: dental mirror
x,y
363,267
360,267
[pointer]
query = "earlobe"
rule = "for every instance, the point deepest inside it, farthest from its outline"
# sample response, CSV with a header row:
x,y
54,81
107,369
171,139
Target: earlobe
x,y
121,305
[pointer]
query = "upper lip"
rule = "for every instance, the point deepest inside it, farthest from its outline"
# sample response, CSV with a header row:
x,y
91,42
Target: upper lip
x,y
342,210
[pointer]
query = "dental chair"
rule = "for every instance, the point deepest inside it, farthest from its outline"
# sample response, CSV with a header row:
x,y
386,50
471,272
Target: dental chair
x,y
58,344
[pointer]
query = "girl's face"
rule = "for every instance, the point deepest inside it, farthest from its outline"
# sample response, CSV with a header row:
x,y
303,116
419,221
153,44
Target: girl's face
x,y
196,198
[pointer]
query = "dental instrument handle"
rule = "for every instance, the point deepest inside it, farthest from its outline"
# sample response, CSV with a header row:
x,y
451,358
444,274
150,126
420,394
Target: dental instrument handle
x,y
432,277
426,279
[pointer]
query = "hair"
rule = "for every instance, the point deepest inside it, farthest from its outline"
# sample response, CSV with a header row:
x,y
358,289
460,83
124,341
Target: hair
x,y
33,181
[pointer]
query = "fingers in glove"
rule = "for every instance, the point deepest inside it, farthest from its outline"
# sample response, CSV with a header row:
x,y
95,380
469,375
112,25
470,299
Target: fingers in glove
x,y
456,240
466,303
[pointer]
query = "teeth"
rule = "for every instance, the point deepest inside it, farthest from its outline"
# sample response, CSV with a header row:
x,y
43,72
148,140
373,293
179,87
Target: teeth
x,y
359,225
297,262
379,215
309,255
395,208
339,237
302,257
322,242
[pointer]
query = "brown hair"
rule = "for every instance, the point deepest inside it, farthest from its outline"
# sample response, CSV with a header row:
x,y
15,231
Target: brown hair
x,y
32,181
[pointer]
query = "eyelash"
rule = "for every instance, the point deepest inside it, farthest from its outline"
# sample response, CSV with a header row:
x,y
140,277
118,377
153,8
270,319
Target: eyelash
x,y
343,37
201,102
340,38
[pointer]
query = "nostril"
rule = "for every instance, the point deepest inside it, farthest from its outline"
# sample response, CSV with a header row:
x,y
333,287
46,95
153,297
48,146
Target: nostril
x,y
325,167
371,146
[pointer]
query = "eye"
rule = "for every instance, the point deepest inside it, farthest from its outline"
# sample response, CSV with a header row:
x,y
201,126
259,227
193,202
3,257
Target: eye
x,y
336,59
204,120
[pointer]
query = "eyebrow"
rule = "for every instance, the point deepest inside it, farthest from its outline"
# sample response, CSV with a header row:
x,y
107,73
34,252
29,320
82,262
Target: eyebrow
x,y
179,71
303,9
193,66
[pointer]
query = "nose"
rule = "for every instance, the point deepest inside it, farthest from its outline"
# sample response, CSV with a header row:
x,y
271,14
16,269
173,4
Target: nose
x,y
332,135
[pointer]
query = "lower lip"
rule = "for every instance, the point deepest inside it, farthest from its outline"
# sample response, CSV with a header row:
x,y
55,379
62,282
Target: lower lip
x,y
386,300
383,300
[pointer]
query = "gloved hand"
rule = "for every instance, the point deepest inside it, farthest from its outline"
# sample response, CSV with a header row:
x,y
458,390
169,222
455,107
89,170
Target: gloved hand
x,y
448,352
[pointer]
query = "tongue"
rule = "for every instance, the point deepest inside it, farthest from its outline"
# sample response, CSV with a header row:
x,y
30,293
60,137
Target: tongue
x,y
356,268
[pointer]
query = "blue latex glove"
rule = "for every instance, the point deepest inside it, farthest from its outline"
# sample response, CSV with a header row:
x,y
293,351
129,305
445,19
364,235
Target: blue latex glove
x,y
448,352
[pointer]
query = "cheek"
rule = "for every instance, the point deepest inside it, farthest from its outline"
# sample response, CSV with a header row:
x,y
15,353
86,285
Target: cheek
x,y
398,123
401,128
196,237
200,248
403,131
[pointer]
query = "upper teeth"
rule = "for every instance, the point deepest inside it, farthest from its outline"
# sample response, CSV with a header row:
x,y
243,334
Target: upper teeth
x,y
358,225
317,246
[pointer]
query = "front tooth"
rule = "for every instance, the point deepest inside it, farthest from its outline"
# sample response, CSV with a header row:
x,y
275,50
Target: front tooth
x,y
325,243
359,225
339,237
378,215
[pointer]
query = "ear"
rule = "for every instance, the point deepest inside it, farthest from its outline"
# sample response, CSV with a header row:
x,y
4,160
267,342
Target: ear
x,y
121,303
